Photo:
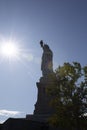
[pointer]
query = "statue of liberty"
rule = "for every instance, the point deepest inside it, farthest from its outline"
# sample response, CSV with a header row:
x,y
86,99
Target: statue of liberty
x,y
47,60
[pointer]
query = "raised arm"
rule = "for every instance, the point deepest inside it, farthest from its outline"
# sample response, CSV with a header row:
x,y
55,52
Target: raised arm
x,y
41,43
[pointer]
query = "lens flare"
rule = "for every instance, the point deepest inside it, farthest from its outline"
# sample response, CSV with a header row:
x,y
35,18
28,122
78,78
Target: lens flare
x,y
13,51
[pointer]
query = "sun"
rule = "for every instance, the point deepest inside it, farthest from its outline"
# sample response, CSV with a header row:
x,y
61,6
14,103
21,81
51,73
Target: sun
x,y
9,49
13,51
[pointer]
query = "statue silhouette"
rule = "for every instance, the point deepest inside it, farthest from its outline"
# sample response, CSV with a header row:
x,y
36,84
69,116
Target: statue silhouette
x,y
47,60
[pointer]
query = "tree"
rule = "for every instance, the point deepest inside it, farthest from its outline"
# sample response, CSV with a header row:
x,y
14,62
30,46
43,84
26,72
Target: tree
x,y
69,92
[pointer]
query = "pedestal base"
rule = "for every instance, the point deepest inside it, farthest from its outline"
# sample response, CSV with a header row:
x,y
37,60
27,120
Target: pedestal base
x,y
40,118
42,106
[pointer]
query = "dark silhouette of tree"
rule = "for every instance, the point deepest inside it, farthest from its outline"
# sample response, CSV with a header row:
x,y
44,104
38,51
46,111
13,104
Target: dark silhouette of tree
x,y
69,92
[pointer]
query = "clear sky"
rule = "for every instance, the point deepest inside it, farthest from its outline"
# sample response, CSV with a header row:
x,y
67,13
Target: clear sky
x,y
62,24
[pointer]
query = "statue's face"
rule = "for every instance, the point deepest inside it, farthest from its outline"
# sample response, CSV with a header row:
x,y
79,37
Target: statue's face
x,y
46,47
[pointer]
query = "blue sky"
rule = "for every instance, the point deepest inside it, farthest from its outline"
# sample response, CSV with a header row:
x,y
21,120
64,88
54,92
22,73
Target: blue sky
x,y
62,24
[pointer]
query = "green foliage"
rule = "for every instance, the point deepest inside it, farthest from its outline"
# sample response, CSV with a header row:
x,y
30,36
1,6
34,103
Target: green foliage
x,y
69,92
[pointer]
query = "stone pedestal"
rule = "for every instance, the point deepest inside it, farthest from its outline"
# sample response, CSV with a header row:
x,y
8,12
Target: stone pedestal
x,y
42,105
43,109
